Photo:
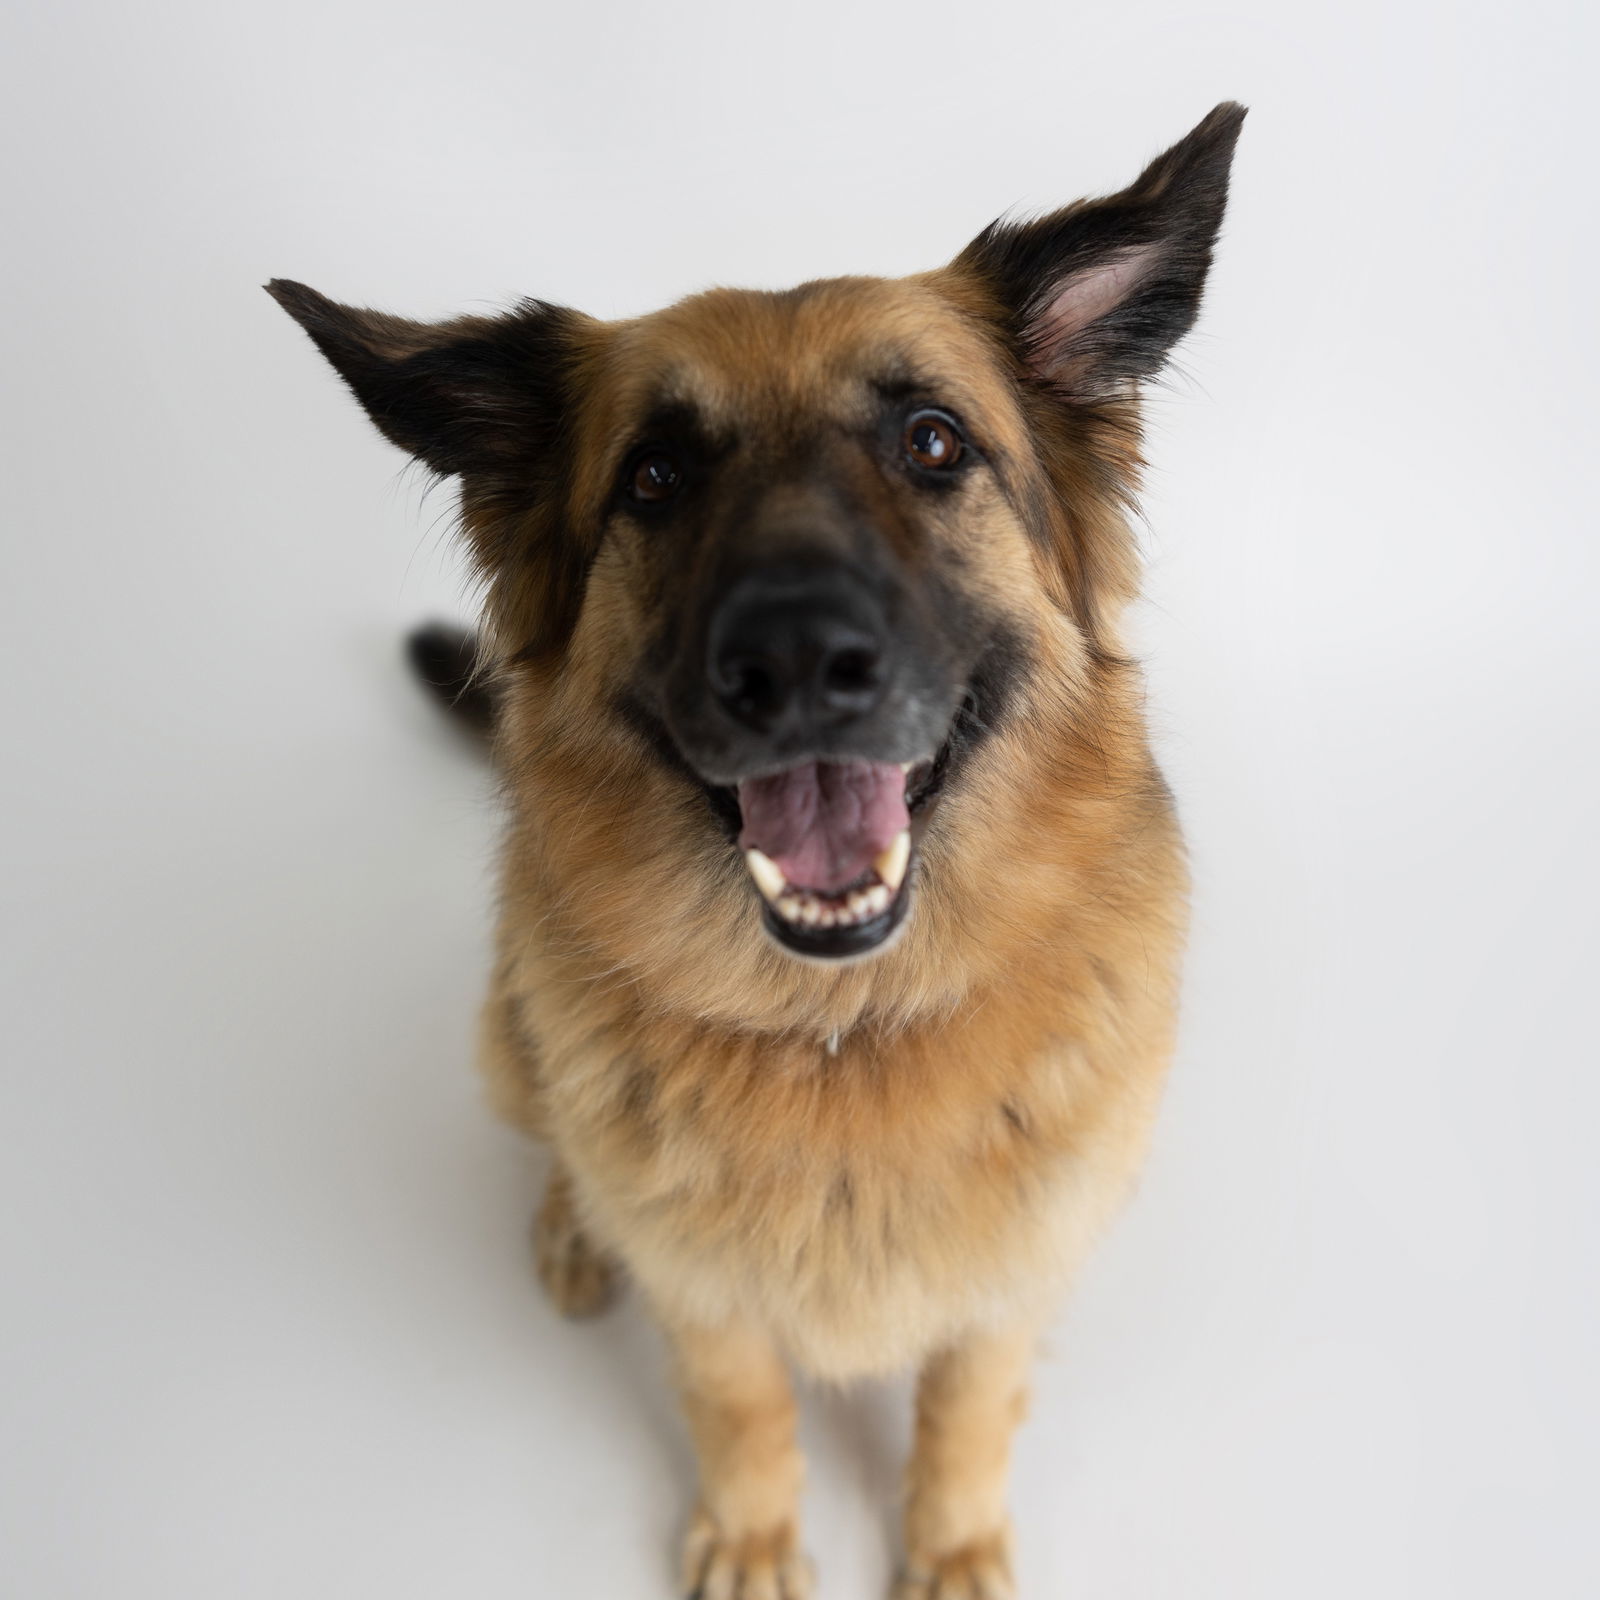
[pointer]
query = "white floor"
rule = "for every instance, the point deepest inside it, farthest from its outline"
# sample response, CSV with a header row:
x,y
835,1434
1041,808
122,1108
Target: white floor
x,y
267,1321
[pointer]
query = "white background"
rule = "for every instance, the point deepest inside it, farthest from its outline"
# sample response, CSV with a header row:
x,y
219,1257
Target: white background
x,y
268,1325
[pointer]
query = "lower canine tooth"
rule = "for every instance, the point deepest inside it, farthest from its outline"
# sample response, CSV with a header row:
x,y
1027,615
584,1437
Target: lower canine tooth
x,y
769,879
891,864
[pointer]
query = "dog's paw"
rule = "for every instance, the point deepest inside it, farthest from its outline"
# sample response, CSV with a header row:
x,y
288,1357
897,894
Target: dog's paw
x,y
763,1566
580,1279
977,1571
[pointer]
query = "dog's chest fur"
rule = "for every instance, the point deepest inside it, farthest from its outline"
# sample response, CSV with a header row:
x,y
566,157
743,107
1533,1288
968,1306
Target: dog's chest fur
x,y
867,1205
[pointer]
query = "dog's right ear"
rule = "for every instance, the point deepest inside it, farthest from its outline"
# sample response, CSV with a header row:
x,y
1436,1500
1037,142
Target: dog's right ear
x,y
478,396
1094,297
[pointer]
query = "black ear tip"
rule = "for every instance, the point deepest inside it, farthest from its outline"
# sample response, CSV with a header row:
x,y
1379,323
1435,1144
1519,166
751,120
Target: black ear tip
x,y
1204,152
1219,128
300,300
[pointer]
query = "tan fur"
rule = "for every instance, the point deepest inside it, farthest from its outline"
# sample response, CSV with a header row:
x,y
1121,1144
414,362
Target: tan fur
x,y
970,1399
859,1168
579,1278
744,1539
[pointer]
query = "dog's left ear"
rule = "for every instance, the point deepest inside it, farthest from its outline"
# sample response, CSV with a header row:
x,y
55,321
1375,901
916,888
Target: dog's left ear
x,y
479,396
485,399
1097,295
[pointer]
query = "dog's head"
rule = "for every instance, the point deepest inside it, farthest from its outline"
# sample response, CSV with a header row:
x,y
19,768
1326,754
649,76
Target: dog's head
x,y
804,553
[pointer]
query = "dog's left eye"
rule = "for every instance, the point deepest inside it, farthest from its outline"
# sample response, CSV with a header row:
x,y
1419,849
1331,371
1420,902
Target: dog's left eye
x,y
932,440
656,477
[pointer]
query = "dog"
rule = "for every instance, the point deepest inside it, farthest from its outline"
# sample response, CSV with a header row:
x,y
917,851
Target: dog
x,y
842,901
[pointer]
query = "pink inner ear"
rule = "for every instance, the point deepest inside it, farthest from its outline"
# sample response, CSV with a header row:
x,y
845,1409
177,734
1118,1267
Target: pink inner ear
x,y
1080,301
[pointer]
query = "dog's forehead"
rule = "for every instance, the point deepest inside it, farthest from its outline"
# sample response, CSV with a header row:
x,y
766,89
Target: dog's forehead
x,y
823,351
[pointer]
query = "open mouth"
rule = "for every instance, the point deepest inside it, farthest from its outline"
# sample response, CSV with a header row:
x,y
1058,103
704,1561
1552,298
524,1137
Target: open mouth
x,y
832,846
828,845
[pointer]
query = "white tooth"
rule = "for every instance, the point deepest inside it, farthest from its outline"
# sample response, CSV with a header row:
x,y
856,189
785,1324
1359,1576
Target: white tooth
x,y
906,766
790,908
877,899
891,865
857,902
769,880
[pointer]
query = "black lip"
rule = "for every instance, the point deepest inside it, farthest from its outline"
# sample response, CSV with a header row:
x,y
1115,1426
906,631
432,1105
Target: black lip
x,y
839,944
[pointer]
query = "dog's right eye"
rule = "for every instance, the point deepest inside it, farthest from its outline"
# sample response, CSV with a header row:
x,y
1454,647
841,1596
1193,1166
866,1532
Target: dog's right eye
x,y
656,477
932,441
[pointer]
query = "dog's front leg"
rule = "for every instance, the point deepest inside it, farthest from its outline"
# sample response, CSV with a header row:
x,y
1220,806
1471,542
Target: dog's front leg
x,y
970,1399
744,1540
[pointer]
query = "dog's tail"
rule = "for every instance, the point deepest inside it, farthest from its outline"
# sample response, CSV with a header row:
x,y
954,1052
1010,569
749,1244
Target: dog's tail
x,y
445,658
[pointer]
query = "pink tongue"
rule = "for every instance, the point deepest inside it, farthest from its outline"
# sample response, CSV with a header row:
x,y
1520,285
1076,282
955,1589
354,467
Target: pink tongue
x,y
824,823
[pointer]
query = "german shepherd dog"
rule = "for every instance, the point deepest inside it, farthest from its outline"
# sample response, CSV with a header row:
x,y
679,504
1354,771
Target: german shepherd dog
x,y
842,900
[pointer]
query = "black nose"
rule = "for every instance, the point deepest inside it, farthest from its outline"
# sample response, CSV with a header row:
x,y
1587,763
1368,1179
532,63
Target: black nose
x,y
797,650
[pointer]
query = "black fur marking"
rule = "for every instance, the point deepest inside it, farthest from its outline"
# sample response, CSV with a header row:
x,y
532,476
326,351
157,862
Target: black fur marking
x,y
984,707
1106,973
693,1106
638,1104
676,428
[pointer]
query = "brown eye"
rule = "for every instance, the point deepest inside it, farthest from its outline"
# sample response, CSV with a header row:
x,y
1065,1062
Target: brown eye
x,y
656,477
931,440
